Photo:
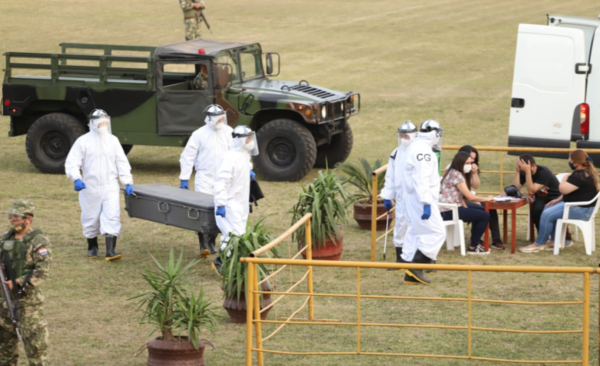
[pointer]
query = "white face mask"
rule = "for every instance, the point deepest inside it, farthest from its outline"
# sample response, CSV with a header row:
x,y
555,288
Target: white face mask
x,y
102,131
404,142
219,126
249,146
467,168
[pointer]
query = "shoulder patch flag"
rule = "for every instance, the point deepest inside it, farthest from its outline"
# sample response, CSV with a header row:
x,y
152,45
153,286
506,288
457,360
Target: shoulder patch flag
x,y
43,251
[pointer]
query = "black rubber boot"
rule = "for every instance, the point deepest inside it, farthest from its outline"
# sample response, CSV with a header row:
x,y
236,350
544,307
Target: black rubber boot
x,y
93,248
431,270
416,276
111,243
211,243
398,259
204,251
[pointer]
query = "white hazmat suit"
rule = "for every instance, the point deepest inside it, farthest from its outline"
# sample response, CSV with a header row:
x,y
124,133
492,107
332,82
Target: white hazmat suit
x,y
232,186
100,157
203,151
393,187
421,182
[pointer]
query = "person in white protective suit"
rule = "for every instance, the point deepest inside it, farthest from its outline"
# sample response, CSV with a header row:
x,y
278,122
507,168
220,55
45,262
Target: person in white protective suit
x,y
392,189
100,156
203,151
426,233
232,186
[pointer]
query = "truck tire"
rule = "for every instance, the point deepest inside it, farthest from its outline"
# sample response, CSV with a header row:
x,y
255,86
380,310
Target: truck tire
x,y
337,151
287,151
127,148
49,140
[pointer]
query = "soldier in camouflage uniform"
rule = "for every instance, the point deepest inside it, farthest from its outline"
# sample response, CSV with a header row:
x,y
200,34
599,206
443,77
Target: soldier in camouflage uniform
x,y
200,82
29,252
191,18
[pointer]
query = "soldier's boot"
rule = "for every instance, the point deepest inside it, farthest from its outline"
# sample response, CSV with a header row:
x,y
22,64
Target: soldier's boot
x,y
398,259
416,276
431,271
111,243
204,251
211,243
93,248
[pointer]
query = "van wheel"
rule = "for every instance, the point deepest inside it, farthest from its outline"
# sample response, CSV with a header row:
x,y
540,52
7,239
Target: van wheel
x,y
49,141
127,148
337,151
287,151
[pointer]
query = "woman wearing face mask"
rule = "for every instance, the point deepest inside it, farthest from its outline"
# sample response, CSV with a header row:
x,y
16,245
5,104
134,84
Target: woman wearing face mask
x,y
579,186
456,188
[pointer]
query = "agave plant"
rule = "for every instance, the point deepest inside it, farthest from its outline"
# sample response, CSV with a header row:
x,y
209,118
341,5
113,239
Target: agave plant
x,y
327,199
239,246
361,177
169,308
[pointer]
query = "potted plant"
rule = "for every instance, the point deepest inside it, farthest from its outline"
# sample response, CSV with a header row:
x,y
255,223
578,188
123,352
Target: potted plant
x,y
177,315
361,177
234,272
327,199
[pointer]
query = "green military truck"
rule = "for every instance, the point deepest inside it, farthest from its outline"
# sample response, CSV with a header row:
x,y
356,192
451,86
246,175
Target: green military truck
x,y
154,98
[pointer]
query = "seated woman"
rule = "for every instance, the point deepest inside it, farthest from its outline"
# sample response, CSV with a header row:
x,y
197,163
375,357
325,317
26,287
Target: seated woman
x,y
579,186
456,188
494,226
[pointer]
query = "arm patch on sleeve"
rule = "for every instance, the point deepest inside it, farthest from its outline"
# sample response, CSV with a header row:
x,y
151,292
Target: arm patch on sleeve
x,y
42,251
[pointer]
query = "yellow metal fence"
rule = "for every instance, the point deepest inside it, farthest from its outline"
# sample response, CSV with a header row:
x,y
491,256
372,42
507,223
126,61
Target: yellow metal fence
x,y
501,150
253,315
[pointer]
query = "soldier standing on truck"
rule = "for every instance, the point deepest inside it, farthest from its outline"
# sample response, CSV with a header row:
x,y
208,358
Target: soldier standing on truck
x,y
192,17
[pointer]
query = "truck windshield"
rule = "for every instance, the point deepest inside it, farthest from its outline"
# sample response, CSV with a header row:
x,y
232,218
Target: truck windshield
x,y
251,65
227,59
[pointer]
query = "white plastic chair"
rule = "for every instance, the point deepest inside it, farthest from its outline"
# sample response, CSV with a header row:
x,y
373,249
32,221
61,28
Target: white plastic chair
x,y
588,228
455,231
559,177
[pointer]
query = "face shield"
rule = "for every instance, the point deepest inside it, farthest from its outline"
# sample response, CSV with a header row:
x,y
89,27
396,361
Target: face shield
x,y
245,139
100,122
406,133
435,132
216,122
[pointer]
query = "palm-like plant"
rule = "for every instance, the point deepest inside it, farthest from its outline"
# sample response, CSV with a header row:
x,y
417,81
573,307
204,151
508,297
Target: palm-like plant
x,y
361,177
327,199
168,308
239,246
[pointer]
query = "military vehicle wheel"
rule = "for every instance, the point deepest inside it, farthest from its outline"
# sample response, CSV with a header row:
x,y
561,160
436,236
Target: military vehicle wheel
x,y
287,151
49,140
127,148
336,152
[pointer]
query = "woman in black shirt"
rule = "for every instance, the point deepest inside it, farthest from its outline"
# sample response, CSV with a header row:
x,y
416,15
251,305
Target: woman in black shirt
x,y
579,186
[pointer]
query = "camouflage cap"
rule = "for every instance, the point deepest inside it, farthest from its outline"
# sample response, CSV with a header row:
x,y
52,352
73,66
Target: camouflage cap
x,y
21,207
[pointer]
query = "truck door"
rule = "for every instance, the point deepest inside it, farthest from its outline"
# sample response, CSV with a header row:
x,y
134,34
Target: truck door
x,y
548,86
184,90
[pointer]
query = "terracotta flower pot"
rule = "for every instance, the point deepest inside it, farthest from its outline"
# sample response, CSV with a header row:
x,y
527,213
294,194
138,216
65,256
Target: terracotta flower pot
x,y
330,251
237,310
182,353
362,215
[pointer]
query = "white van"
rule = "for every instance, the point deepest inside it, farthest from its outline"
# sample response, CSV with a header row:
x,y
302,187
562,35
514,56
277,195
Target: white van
x,y
556,85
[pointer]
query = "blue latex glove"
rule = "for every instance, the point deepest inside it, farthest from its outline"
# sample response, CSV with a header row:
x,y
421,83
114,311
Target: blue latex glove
x,y
426,212
184,184
79,185
220,211
129,189
388,204
252,174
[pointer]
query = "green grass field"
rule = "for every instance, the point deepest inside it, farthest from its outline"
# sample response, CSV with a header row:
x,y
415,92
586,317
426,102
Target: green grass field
x,y
447,60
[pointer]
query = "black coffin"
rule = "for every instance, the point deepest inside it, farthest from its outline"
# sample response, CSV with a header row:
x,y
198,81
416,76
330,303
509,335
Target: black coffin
x,y
173,206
